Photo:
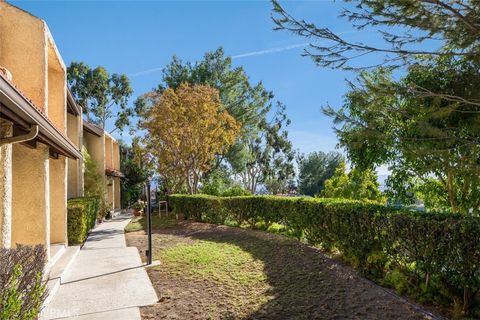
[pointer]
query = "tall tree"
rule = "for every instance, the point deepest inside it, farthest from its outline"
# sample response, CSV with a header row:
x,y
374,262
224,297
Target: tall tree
x,y
247,103
314,169
357,184
101,95
425,125
186,128
407,31
268,155
408,190
94,184
218,181
137,165
384,122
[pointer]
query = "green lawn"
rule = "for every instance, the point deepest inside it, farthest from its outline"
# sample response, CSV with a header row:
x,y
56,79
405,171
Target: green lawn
x,y
225,263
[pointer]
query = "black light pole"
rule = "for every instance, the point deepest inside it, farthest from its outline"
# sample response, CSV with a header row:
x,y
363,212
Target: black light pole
x,y
149,224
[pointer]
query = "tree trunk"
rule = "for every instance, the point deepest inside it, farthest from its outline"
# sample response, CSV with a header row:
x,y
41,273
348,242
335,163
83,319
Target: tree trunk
x,y
451,194
189,182
466,300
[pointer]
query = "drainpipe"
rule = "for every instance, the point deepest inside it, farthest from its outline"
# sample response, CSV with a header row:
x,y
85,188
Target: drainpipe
x,y
33,128
32,134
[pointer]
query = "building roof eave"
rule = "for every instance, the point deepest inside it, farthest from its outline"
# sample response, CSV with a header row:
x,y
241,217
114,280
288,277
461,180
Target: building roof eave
x,y
72,105
113,173
19,106
93,129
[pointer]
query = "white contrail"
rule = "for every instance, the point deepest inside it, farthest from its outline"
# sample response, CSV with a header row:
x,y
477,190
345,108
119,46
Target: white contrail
x,y
248,54
243,55
271,50
289,47
144,72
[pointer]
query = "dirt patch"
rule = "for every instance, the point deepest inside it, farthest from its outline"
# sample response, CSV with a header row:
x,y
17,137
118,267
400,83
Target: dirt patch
x,y
218,272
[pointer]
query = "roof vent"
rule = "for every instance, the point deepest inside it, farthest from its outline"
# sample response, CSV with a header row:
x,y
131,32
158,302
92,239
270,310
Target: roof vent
x,y
7,74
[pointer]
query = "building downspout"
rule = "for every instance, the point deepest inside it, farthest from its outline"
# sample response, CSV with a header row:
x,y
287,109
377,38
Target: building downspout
x,y
32,134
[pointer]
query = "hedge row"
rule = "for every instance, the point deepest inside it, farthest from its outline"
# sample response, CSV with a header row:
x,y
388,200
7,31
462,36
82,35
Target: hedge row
x,y
82,213
438,254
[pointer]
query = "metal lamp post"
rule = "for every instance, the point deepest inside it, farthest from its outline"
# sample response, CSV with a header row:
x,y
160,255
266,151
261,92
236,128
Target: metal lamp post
x,y
149,223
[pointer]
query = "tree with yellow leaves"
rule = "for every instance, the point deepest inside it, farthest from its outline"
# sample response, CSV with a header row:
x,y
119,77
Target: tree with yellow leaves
x,y
186,128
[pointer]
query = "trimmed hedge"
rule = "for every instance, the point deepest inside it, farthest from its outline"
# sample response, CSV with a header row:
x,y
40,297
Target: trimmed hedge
x,y
81,216
436,255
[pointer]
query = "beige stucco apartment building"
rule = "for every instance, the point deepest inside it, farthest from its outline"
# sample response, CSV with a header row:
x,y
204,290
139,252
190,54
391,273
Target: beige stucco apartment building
x,y
41,136
105,152
34,133
75,134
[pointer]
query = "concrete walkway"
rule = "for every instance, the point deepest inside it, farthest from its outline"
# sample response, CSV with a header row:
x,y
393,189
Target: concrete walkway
x,y
106,281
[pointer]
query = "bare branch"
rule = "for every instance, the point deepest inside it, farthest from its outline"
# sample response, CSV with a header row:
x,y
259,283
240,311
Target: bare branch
x,y
424,92
473,26
337,51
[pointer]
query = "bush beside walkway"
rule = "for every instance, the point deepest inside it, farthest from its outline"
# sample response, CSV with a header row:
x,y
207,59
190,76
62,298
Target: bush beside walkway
x,y
81,215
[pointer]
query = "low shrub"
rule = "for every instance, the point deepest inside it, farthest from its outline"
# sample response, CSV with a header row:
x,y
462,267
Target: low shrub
x,y
81,216
235,191
423,250
21,289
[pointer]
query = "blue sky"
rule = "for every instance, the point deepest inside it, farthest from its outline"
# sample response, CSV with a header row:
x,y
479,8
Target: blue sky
x,y
133,37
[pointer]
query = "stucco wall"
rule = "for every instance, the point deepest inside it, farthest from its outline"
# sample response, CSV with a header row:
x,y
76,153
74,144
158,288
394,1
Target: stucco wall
x,y
110,192
56,99
74,166
30,201
73,129
73,179
108,152
117,192
96,148
23,41
5,186
28,51
58,200
57,93
116,155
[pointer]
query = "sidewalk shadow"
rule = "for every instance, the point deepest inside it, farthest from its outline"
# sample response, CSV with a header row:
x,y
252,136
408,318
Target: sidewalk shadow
x,y
103,234
103,274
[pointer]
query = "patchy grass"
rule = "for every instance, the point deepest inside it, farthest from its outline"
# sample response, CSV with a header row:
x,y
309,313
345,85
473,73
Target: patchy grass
x,y
135,225
140,223
219,272
224,263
